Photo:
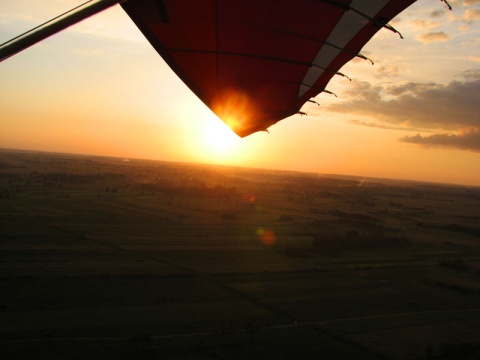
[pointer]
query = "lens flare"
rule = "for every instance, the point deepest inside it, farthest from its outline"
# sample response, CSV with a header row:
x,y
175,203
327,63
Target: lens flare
x,y
267,237
249,198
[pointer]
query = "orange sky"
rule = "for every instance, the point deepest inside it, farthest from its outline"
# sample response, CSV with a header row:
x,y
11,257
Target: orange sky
x,y
100,88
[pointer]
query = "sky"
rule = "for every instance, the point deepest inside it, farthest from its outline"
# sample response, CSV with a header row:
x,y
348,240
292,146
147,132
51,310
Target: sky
x,y
100,88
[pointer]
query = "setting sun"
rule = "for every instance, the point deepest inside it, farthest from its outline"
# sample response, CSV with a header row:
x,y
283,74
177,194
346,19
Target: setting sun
x,y
100,87
240,179
219,140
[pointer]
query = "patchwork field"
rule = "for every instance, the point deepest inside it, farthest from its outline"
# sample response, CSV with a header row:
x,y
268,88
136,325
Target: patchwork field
x,y
106,258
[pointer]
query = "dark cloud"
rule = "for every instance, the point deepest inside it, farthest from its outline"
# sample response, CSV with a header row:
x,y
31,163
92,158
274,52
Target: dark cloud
x,y
473,74
443,109
431,106
466,141
410,88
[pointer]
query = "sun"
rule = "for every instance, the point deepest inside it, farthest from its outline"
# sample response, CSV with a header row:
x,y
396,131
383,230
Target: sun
x,y
219,140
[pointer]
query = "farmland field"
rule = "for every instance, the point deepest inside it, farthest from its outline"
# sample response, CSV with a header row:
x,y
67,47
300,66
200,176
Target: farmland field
x,y
107,258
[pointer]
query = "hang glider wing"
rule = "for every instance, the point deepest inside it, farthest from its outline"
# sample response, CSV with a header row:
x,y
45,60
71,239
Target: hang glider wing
x,y
256,62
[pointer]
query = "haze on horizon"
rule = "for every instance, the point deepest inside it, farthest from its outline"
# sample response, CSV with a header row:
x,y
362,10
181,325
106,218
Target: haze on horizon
x,y
100,88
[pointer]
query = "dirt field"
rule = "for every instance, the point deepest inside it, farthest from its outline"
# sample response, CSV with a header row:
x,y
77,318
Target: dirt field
x,y
106,258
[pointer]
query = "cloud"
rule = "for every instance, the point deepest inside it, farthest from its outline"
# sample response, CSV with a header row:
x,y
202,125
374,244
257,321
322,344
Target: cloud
x,y
471,74
466,19
437,13
410,88
471,15
433,37
466,141
387,71
442,109
431,106
425,24
374,125
403,127
470,2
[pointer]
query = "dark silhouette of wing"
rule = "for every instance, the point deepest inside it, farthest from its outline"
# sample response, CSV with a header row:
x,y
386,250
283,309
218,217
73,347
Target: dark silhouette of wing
x,y
256,62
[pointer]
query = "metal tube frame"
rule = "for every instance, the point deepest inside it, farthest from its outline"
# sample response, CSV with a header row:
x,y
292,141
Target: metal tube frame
x,y
48,29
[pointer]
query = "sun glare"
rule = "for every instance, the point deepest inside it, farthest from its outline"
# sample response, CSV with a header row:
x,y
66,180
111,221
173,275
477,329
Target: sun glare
x,y
219,140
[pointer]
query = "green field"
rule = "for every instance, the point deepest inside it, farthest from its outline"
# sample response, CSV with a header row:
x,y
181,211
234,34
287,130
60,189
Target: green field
x,y
106,258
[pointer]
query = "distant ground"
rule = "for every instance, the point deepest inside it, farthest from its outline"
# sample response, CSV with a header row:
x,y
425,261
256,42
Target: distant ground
x,y
106,258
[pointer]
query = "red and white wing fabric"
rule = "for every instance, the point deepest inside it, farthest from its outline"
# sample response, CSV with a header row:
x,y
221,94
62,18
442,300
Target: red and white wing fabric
x,y
256,62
